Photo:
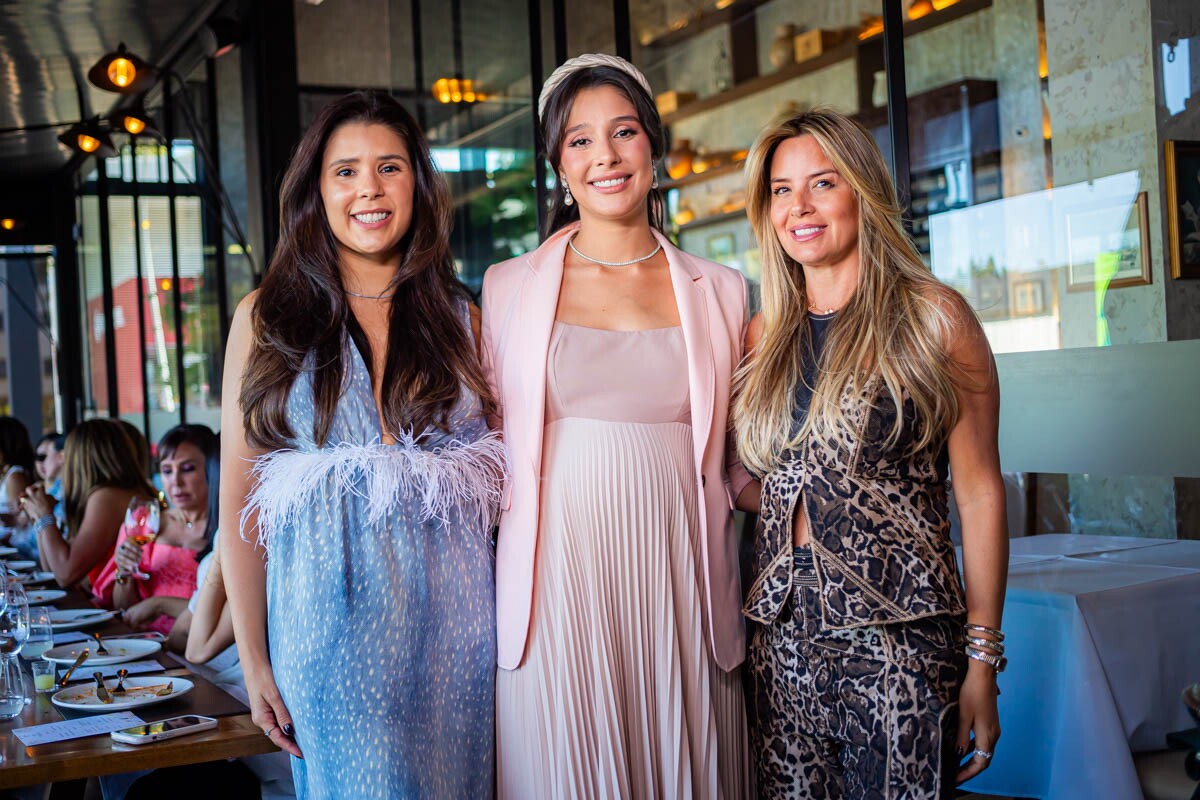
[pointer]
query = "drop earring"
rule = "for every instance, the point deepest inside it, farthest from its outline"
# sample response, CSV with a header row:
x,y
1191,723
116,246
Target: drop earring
x,y
654,169
567,199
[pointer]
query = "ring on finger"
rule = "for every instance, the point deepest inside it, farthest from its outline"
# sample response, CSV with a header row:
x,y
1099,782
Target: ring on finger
x,y
267,732
984,754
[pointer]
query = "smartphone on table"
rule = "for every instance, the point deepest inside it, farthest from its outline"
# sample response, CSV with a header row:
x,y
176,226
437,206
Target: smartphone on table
x,y
166,729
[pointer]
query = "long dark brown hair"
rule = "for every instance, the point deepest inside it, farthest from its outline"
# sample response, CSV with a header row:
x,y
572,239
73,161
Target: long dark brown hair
x,y
301,307
554,123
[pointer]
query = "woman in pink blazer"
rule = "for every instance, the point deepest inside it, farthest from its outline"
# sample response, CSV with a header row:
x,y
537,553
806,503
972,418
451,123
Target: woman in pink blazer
x,y
610,353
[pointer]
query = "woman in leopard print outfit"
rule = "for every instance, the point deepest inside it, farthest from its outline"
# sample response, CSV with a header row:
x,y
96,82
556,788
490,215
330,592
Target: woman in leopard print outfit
x,y
868,381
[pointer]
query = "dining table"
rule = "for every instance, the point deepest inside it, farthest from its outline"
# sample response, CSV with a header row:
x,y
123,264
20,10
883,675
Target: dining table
x,y
235,736
1101,640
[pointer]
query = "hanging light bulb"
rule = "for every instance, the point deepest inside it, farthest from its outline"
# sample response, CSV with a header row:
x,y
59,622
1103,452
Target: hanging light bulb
x,y
89,137
121,71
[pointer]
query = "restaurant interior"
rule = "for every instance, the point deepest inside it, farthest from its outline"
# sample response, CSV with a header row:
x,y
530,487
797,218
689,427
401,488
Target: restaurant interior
x,y
1047,154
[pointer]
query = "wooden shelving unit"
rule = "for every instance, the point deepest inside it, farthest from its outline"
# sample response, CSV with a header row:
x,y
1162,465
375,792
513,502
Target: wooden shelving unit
x,y
845,50
700,177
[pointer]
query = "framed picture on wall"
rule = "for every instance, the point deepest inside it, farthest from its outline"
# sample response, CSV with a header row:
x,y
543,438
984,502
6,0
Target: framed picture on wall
x,y
720,248
1183,207
1109,245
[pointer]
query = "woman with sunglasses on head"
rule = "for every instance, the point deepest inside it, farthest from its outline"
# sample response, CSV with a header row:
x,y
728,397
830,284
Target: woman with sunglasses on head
x,y
617,587
356,460
868,382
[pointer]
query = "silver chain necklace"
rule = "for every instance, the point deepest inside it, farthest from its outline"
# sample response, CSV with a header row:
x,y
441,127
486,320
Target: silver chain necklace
x,y
383,296
586,257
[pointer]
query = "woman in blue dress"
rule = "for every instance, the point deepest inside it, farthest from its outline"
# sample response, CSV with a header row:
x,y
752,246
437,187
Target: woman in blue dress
x,y
357,463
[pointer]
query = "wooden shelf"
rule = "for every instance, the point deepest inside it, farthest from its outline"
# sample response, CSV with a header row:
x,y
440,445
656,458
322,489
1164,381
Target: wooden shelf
x,y
847,49
712,219
701,177
842,52
705,21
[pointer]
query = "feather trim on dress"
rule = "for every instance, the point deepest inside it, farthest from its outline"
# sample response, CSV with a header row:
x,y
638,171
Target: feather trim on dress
x,y
465,476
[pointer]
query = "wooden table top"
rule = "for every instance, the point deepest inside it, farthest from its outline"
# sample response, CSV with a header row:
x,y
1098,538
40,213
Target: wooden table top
x,y
234,737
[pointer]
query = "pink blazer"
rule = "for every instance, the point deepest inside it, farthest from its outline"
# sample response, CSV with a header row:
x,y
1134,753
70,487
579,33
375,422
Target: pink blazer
x,y
520,299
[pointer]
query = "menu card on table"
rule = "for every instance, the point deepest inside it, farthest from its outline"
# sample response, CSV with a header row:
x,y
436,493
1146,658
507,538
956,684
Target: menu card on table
x,y
76,728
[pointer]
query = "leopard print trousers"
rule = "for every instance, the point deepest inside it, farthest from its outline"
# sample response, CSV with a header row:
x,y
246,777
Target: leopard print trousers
x,y
866,713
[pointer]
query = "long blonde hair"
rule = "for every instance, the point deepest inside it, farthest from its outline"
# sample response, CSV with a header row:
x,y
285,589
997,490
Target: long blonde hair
x,y
98,453
895,325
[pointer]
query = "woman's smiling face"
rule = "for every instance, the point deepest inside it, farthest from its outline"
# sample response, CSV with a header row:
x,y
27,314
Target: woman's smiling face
x,y
367,186
814,211
606,156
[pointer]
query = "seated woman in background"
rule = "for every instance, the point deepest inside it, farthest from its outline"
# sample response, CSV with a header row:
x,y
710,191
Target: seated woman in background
x,y
101,474
16,469
187,457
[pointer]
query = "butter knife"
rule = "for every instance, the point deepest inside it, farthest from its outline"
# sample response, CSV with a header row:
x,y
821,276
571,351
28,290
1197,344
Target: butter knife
x,y
82,657
101,692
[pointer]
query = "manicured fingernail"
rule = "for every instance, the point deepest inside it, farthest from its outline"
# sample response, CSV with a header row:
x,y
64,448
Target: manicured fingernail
x,y
289,731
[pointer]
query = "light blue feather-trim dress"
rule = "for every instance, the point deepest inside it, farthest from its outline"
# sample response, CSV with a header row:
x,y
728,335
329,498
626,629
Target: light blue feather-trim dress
x,y
380,598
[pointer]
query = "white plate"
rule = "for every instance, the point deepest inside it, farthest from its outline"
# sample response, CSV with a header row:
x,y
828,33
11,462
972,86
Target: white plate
x,y
33,577
21,565
5,552
119,650
38,596
74,619
82,696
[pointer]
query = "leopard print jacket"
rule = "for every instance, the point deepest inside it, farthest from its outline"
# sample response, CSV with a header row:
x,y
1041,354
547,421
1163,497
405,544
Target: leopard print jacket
x,y
879,521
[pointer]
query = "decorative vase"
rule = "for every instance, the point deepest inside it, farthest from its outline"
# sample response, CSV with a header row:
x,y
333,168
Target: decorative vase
x,y
782,50
678,162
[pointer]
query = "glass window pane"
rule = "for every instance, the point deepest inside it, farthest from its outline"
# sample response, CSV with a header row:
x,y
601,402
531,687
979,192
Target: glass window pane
x,y
91,287
161,373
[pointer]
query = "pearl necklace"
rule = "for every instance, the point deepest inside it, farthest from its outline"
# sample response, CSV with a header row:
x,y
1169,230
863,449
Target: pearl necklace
x,y
816,310
586,257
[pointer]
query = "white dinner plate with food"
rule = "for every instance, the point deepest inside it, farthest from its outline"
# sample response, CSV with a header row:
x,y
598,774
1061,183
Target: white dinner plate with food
x,y
39,596
30,578
74,619
21,566
144,691
119,651
5,552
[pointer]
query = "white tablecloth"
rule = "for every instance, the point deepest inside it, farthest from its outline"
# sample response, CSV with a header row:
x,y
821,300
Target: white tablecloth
x,y
1101,637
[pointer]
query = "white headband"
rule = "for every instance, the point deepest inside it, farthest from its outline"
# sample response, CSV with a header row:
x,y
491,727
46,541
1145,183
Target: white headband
x,y
589,61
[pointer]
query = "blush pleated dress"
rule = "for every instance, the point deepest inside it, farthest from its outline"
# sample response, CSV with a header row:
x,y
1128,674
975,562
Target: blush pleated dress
x,y
619,695
381,599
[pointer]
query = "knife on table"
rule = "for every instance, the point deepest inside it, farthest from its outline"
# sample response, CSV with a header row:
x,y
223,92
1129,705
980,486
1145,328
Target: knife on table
x,y
79,660
101,692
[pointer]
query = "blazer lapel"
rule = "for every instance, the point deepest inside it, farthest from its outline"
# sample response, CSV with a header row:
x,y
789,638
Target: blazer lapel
x,y
689,285
538,304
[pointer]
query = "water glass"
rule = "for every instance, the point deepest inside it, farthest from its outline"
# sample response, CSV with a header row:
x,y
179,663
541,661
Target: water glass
x,y
12,689
41,634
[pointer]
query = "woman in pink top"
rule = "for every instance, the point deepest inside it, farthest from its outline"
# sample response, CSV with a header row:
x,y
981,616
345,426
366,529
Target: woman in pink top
x,y
188,465
617,598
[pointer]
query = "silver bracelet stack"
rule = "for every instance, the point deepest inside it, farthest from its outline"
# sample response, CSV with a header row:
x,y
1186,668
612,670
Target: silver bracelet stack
x,y
44,521
989,651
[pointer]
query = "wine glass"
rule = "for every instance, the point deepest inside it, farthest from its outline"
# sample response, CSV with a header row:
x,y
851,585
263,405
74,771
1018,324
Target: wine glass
x,y
14,623
141,523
